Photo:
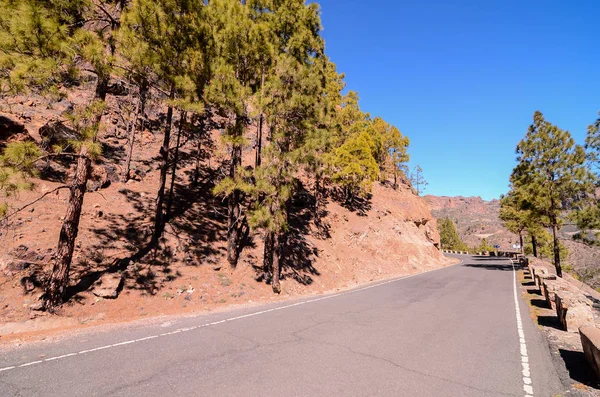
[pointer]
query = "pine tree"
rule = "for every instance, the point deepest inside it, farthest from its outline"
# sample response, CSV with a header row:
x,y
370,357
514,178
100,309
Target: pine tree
x,y
484,246
355,167
316,153
389,147
587,216
291,108
168,35
397,155
517,215
417,180
449,237
552,174
44,46
237,66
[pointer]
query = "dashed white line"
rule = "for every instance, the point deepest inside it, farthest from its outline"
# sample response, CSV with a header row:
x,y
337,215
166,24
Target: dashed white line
x,y
222,321
527,382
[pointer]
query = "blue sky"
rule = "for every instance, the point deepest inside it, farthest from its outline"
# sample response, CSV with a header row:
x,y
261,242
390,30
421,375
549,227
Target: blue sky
x,y
462,78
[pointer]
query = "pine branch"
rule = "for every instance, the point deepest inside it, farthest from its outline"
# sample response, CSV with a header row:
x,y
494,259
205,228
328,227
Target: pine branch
x,y
112,19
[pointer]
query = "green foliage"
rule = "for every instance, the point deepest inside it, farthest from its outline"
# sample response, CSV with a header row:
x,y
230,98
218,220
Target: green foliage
x,y
551,175
449,237
587,215
550,178
355,166
545,245
34,42
484,246
242,59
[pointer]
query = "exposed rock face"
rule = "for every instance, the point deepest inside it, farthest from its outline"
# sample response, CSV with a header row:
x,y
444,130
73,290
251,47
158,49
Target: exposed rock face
x,y
103,175
12,131
108,286
475,219
55,133
22,258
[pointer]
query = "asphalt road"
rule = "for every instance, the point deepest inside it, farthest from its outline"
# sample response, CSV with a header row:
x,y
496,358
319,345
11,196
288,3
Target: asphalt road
x,y
450,332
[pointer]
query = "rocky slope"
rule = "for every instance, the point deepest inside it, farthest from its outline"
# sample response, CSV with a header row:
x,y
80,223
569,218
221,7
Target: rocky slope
x,y
474,218
392,234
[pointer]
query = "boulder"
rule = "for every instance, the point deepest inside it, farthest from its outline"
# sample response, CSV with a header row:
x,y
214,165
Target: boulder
x,y
12,131
108,286
55,133
572,311
117,88
102,176
590,340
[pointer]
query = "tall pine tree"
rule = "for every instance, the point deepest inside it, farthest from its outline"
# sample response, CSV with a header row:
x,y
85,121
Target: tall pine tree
x,y
551,173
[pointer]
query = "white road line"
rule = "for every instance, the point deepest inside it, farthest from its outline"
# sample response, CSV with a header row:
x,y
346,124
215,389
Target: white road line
x,y
527,383
30,363
223,321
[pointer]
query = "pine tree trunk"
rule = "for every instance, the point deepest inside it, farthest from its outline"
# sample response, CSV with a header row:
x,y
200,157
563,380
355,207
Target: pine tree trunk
x,y
534,246
233,229
259,142
521,243
197,169
164,167
59,280
182,119
139,109
260,127
317,200
234,208
268,253
276,263
556,249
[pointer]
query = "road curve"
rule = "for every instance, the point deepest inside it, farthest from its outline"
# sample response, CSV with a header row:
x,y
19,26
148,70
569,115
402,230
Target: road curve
x,y
450,332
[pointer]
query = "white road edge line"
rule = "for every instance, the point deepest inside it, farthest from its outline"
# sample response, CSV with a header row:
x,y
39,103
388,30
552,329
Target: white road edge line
x,y
181,330
527,383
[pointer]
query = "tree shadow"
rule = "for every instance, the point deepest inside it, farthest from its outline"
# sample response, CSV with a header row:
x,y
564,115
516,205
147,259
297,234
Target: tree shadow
x,y
196,223
297,253
579,369
490,266
198,220
353,203
55,169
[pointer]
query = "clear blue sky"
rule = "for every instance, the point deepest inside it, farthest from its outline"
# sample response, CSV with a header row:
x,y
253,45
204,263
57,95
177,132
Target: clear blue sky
x,y
462,78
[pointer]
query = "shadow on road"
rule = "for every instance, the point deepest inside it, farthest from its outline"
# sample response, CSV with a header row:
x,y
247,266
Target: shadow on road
x,y
490,266
578,368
